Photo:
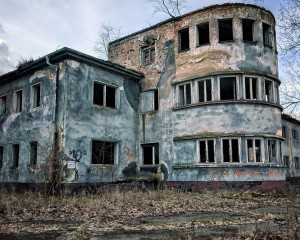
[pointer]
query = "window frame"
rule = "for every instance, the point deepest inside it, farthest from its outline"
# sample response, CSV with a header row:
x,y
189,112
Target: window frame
x,y
286,161
271,97
1,156
148,49
33,153
204,80
230,150
295,135
206,151
18,101
104,99
244,22
219,30
277,151
198,34
180,40
115,153
297,162
15,156
236,87
36,95
3,111
266,31
254,150
155,152
184,85
251,87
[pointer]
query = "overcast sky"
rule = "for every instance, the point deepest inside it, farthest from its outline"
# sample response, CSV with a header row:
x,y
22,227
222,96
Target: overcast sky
x,y
34,28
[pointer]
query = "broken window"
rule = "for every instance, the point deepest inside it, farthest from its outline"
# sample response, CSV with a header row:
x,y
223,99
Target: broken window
x,y
150,154
284,132
207,151
205,90
267,34
268,91
286,161
251,88
103,152
149,100
184,40
3,105
228,88
225,30
184,94
231,150
272,151
104,95
148,55
295,135
203,33
277,94
254,150
1,156
33,153
15,155
247,25
297,162
18,101
36,95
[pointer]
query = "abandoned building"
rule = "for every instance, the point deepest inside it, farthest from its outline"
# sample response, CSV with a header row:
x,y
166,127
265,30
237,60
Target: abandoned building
x,y
192,101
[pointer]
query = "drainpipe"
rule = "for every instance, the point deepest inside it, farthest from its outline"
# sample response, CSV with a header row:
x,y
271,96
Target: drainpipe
x,y
56,172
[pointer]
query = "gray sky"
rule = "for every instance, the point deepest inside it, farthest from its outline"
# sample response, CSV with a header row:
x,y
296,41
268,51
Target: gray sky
x,y
34,28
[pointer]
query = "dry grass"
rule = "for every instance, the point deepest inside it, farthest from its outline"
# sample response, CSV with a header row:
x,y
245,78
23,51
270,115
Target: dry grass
x,y
80,216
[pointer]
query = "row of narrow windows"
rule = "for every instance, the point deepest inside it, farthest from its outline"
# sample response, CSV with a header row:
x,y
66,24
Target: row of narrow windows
x,y
227,88
18,100
294,134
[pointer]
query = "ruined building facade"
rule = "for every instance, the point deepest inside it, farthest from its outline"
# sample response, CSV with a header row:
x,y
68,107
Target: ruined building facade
x,y
191,101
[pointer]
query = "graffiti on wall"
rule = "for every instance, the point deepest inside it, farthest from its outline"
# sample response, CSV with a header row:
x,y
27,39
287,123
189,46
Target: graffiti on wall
x,y
129,154
214,174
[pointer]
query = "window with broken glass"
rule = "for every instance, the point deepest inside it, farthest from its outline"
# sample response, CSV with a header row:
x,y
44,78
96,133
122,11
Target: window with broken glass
x,y
18,104
207,151
184,40
205,90
269,93
247,25
3,105
150,153
225,30
149,100
228,88
267,35
254,150
231,152
251,88
273,155
36,95
184,94
103,152
15,155
148,55
104,95
203,34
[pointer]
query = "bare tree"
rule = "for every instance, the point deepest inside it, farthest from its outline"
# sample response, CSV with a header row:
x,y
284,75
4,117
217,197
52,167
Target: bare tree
x,y
107,33
289,45
172,8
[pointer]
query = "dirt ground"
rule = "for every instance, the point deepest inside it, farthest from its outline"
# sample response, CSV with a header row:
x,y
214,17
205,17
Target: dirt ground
x,y
151,214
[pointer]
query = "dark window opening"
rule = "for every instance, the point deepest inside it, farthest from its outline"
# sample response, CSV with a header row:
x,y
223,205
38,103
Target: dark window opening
x,y
184,40
267,34
225,30
268,91
254,150
156,99
204,88
207,151
247,30
3,105
16,155
284,132
185,96
227,88
231,150
150,154
36,98
203,33
286,161
103,152
1,156
251,88
148,55
272,151
297,162
33,153
104,95
18,106
295,135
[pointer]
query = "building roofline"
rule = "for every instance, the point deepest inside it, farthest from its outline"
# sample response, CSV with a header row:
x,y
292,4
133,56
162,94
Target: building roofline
x,y
68,53
289,118
190,13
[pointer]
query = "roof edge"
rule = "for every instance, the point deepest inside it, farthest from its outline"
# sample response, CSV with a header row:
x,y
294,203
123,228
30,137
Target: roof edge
x,y
289,118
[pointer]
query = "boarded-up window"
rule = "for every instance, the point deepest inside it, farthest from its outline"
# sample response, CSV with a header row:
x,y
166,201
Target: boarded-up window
x,y
103,152
203,33
104,95
150,154
184,40
149,100
225,30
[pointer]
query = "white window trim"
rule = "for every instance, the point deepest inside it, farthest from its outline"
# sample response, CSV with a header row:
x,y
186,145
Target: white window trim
x,y
273,94
230,150
258,87
261,149
117,95
15,100
206,151
32,96
278,153
178,95
237,86
205,94
116,153
153,153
